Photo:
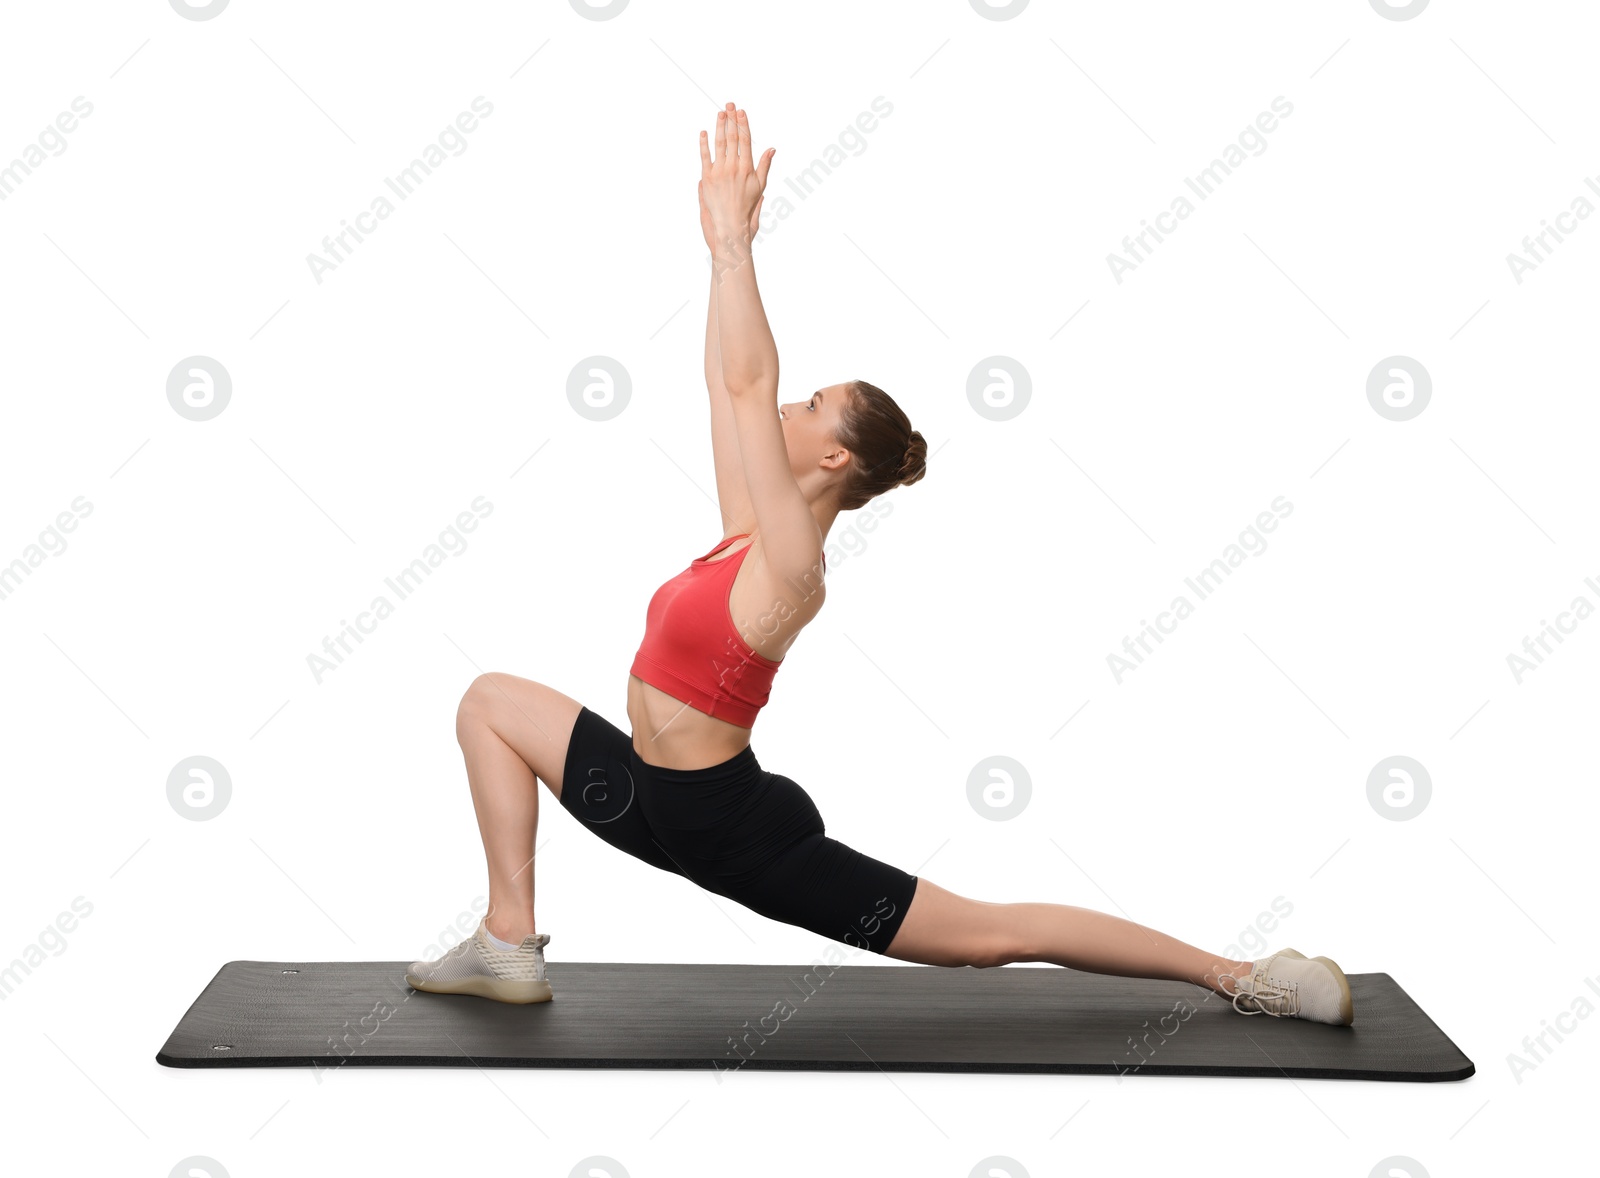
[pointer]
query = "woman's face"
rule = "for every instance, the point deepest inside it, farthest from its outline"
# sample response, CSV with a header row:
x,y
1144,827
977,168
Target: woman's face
x,y
809,426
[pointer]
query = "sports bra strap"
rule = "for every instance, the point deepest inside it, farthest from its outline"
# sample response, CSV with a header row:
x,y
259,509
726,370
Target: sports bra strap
x,y
741,536
724,544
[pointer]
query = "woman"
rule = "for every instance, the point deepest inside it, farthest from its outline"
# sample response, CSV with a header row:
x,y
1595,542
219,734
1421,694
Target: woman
x,y
684,792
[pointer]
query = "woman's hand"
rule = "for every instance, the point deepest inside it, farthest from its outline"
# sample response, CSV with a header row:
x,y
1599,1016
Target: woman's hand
x,y
709,229
732,186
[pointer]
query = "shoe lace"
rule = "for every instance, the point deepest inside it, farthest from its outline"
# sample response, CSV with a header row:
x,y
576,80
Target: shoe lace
x,y
1270,996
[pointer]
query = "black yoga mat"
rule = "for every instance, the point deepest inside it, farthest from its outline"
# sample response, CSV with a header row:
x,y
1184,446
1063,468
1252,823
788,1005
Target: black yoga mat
x,y
813,1018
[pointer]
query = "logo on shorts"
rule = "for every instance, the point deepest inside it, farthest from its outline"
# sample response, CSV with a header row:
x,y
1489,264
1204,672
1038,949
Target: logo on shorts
x,y
603,802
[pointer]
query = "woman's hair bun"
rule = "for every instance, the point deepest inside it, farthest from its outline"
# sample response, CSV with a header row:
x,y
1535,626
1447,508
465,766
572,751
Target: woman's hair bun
x,y
915,463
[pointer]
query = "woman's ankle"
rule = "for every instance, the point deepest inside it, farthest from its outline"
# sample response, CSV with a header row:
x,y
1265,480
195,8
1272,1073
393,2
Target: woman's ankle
x,y
510,931
1225,976
509,923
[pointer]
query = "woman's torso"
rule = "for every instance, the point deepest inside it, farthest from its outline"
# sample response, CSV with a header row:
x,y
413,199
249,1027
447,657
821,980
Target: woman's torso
x,y
768,616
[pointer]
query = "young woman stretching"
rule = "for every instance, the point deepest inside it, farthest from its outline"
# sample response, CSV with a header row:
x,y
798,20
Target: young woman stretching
x,y
684,792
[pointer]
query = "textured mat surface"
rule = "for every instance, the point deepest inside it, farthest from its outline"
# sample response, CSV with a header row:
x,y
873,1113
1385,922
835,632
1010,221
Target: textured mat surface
x,y
852,1018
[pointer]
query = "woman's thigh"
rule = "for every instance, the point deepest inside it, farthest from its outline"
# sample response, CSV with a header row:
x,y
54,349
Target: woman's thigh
x,y
943,928
601,791
535,720
821,884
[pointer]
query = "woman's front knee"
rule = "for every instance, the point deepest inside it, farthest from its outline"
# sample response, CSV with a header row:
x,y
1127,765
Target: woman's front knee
x,y
477,704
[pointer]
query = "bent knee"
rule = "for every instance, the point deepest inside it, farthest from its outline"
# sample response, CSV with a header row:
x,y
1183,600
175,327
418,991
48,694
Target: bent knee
x,y
478,702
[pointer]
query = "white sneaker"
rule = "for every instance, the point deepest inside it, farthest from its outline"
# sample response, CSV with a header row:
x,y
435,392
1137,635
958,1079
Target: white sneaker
x,y
477,967
1288,985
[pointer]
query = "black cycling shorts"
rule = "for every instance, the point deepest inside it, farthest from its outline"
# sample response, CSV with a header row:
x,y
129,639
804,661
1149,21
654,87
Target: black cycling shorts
x,y
736,830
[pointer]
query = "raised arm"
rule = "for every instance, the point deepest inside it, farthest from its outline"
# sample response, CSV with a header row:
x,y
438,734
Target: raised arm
x,y
733,497
732,187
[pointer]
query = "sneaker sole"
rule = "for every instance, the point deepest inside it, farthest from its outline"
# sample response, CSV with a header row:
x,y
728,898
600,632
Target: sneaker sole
x,y
519,993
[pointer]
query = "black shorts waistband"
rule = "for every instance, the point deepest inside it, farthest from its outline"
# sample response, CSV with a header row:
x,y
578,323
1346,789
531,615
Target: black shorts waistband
x,y
742,764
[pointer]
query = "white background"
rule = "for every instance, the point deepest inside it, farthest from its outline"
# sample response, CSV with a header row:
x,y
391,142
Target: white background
x,y
975,220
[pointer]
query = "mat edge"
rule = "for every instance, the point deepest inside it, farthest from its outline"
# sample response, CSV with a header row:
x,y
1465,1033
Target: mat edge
x,y
660,1065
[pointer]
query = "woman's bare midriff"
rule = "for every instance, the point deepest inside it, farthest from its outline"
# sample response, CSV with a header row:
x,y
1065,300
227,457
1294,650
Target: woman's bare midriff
x,y
668,732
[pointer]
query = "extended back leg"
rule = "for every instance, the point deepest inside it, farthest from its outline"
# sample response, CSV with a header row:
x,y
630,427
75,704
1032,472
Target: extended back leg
x,y
942,928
